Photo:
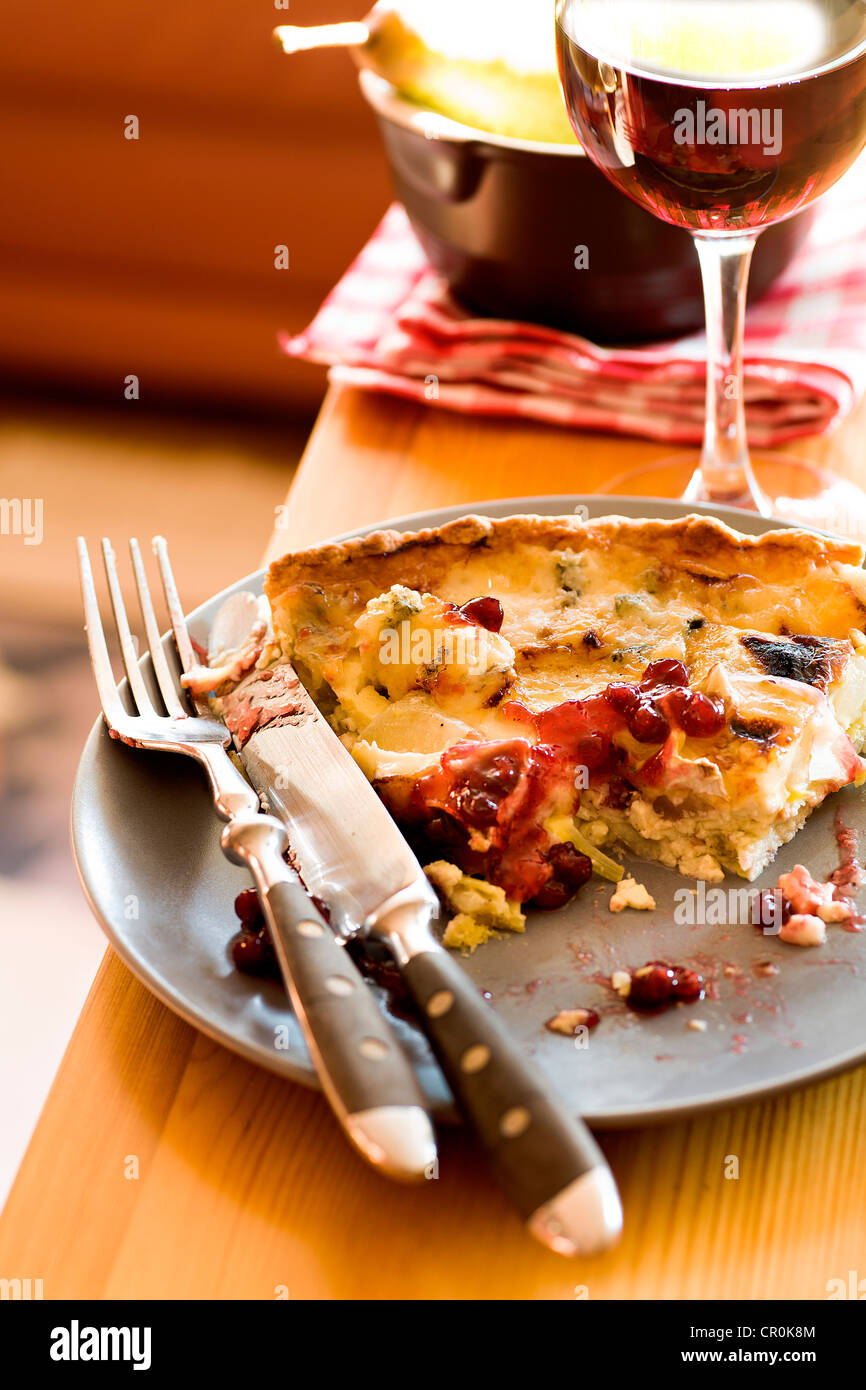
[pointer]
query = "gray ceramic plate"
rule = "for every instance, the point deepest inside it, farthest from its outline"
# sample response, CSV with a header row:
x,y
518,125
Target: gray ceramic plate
x,y
147,849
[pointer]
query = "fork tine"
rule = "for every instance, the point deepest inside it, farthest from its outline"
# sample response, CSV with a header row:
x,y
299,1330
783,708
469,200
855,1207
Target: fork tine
x,y
184,646
112,705
127,646
164,677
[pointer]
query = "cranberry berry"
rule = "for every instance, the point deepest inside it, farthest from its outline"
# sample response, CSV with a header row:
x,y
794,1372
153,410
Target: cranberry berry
x,y
702,717
647,724
656,985
477,807
499,777
485,612
570,865
253,953
554,894
248,907
623,698
571,870
478,796
666,672
770,908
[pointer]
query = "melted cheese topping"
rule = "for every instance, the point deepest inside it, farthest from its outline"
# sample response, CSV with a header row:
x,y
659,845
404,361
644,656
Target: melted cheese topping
x,y
390,676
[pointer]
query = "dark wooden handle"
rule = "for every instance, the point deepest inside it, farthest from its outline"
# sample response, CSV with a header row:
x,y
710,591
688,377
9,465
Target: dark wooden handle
x,y
536,1148
355,1051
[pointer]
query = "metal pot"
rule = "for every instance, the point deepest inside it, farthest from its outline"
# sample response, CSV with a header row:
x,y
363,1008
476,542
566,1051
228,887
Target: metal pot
x,y
532,231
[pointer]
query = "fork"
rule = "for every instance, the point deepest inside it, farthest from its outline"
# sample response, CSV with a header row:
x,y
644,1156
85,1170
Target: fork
x,y
381,1109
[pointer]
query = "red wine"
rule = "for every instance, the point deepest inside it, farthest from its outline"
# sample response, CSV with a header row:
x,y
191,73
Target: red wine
x,y
717,115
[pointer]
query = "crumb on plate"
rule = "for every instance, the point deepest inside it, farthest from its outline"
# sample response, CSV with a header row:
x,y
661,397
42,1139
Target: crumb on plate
x,y
630,893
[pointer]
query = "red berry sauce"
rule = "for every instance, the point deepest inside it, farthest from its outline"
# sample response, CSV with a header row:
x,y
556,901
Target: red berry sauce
x,y
485,800
657,986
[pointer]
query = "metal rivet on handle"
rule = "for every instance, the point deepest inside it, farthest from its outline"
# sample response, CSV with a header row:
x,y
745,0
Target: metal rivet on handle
x,y
373,1048
475,1058
309,928
514,1122
439,1003
339,984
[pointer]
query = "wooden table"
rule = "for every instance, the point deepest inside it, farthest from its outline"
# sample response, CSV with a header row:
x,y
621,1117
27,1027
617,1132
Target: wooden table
x,y
165,1167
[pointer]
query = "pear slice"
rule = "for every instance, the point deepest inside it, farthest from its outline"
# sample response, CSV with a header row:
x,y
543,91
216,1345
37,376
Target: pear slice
x,y
487,63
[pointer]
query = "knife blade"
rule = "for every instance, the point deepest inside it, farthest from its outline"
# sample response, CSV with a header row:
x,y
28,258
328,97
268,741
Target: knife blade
x,y
352,854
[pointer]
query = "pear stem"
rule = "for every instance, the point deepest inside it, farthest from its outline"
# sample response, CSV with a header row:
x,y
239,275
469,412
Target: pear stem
x,y
298,39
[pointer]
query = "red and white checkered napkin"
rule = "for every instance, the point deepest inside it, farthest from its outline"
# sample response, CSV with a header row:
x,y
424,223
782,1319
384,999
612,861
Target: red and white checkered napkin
x,y
391,325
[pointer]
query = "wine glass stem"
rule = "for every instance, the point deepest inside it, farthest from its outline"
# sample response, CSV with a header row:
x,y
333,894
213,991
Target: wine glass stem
x,y
725,474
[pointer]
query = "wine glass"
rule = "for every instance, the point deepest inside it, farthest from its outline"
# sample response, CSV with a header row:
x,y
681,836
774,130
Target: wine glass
x,y
723,117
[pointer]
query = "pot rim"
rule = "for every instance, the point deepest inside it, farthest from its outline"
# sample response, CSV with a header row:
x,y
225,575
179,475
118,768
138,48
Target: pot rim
x,y
387,102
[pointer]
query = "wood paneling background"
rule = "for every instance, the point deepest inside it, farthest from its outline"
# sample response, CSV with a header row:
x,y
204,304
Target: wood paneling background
x,y
156,256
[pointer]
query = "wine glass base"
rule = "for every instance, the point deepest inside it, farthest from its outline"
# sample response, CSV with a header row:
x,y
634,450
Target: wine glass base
x,y
794,489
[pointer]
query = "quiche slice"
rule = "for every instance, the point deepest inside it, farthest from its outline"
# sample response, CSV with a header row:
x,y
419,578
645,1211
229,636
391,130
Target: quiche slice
x,y
527,693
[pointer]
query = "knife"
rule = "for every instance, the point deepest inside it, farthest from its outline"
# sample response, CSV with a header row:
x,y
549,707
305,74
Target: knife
x,y
351,854
365,1074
